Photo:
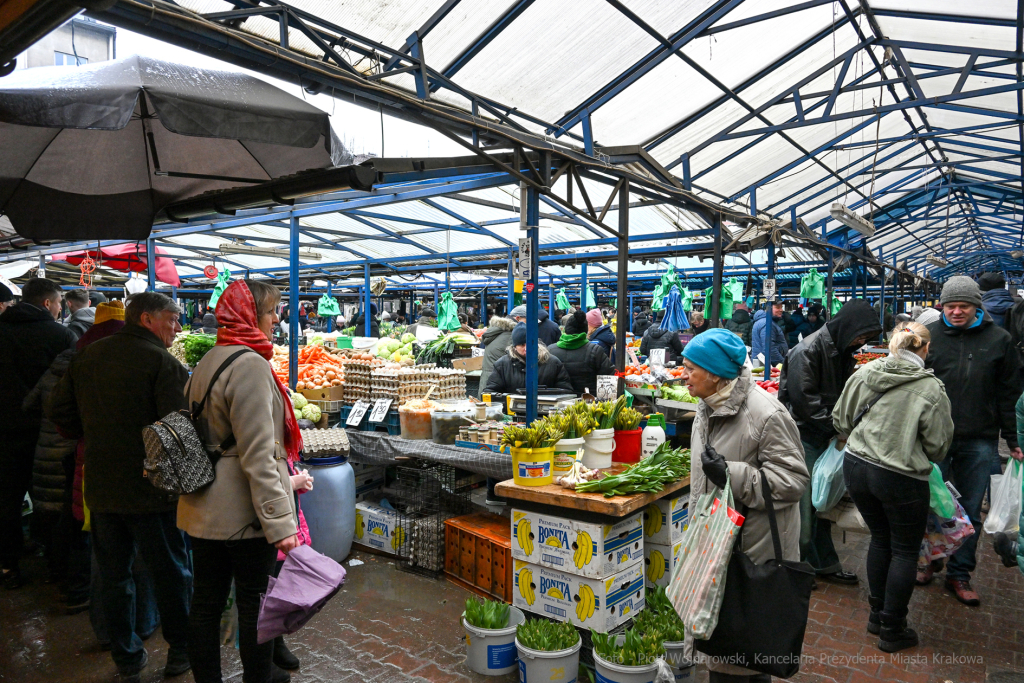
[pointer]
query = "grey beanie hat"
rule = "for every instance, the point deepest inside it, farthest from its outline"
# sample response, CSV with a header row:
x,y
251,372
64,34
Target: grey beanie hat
x,y
961,288
518,312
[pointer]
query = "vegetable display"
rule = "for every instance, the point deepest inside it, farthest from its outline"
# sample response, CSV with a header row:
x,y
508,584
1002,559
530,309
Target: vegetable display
x,y
440,350
196,346
489,614
311,412
604,413
547,636
863,358
636,650
573,421
659,617
628,420
677,393
541,435
650,475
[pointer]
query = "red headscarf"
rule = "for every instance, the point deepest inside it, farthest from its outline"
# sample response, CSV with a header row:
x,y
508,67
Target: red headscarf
x,y
236,315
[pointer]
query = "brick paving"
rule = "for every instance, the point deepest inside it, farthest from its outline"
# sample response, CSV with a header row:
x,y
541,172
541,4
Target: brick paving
x,y
389,626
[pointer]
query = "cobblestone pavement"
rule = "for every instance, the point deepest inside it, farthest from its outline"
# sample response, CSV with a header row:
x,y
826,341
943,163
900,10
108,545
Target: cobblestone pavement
x,y
388,625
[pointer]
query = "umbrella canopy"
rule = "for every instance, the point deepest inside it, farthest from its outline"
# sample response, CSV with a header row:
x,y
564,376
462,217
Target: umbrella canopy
x,y
96,151
126,258
675,318
306,582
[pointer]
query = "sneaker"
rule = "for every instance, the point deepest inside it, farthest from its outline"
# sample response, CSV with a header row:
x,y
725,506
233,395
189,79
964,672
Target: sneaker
x,y
177,663
1006,549
924,576
963,592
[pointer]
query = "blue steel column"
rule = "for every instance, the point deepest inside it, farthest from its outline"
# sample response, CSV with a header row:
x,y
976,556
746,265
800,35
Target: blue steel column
x,y
437,300
411,318
622,279
511,301
181,309
532,304
767,304
551,298
151,264
367,301
583,287
881,297
330,320
293,303
483,307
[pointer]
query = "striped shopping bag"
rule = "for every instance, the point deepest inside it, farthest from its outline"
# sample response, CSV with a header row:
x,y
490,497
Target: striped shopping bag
x,y
698,580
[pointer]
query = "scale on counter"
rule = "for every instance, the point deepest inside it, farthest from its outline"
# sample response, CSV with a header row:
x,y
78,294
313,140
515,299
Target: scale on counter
x,y
546,403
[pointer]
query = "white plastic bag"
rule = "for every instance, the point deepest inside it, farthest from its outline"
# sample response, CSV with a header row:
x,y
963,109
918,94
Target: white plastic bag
x,y
827,485
1004,512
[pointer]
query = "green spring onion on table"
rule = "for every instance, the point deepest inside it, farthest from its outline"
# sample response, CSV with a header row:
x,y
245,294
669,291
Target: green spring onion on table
x,y
650,475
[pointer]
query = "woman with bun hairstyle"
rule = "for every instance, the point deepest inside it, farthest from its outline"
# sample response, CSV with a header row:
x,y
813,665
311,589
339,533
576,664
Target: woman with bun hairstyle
x,y
899,422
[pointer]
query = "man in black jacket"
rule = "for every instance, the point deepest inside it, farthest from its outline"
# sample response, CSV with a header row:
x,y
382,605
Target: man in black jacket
x,y
657,338
113,388
509,373
813,376
548,331
30,338
583,361
976,361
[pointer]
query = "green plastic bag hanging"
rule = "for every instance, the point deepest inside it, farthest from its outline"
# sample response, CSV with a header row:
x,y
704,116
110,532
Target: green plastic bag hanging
x,y
737,289
447,313
327,306
836,305
941,500
724,304
223,280
658,300
591,301
811,285
561,300
687,299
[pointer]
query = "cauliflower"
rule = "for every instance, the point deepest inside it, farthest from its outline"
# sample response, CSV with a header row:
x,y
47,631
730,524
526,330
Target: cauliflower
x,y
298,414
298,401
311,412
408,338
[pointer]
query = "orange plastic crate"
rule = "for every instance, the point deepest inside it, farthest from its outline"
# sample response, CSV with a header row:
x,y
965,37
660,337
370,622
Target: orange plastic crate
x,y
478,554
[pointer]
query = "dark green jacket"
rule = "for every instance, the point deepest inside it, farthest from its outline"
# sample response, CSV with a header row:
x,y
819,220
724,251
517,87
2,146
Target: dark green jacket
x,y
113,388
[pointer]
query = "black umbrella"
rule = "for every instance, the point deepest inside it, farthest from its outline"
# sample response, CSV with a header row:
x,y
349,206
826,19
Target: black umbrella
x,y
85,157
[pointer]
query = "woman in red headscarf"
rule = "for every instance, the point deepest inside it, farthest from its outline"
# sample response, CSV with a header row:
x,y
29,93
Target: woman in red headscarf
x,y
240,521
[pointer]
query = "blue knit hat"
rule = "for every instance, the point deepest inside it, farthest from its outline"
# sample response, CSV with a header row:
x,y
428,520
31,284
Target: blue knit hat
x,y
519,334
718,351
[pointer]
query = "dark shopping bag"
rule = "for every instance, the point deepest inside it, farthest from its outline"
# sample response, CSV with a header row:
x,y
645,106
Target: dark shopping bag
x,y
764,611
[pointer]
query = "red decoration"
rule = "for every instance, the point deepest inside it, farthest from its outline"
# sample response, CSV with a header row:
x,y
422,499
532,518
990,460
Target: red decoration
x,y
528,287
210,272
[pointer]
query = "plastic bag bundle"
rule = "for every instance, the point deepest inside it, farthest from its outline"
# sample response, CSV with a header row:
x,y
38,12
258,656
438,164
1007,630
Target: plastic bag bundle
x,y
942,536
1004,512
827,485
942,503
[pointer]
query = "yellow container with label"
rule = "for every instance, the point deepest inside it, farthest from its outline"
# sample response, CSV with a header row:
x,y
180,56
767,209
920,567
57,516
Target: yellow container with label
x,y
532,466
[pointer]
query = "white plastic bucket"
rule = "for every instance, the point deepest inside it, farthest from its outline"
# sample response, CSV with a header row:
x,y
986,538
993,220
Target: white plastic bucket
x,y
609,672
551,667
565,455
601,440
684,670
492,652
596,460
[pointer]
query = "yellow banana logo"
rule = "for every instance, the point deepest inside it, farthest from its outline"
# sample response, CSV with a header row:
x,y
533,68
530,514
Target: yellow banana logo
x,y
625,610
555,593
523,534
398,538
584,550
359,524
526,586
656,568
624,556
653,519
585,603
553,542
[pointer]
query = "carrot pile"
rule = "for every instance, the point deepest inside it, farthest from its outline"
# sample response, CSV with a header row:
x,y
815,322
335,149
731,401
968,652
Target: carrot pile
x,y
317,368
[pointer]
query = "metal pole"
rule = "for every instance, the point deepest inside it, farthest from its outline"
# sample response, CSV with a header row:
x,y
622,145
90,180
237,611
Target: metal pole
x,y
41,272
881,298
411,318
151,264
621,314
483,307
828,277
330,319
367,301
532,295
768,316
551,298
293,302
511,285
583,287
716,280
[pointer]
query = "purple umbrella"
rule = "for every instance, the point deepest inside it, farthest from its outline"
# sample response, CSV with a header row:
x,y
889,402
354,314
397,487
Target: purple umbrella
x,y
306,582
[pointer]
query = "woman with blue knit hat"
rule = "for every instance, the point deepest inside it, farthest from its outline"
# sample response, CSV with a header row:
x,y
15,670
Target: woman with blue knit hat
x,y
743,434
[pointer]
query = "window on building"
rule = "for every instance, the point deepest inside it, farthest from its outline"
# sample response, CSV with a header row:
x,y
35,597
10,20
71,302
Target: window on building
x,y
65,59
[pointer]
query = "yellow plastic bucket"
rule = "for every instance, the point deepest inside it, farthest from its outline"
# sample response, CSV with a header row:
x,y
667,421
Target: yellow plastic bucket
x,y
532,466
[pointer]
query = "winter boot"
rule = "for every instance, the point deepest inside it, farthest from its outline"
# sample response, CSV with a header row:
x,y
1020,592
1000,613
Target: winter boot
x,y
283,656
875,618
895,635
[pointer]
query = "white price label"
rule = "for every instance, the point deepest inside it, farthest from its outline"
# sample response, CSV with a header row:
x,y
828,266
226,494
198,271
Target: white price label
x,y
380,409
769,289
657,357
355,418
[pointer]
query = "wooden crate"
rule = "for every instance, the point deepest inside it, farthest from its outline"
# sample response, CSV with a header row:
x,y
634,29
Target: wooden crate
x,y
478,554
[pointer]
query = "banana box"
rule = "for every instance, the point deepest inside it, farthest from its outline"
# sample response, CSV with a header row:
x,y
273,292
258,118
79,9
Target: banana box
x,y
582,548
378,528
601,604
665,520
659,561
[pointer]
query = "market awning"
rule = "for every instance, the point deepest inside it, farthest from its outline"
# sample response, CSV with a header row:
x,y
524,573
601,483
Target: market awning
x,y
126,258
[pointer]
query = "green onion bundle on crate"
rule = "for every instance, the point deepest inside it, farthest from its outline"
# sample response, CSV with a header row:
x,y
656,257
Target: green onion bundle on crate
x,y
650,475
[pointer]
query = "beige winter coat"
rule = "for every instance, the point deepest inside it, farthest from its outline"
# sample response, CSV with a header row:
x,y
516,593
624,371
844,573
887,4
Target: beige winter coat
x,y
758,437
251,496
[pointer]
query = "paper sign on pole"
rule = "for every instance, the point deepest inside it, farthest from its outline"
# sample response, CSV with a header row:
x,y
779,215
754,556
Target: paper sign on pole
x,y
657,357
607,387
355,418
769,289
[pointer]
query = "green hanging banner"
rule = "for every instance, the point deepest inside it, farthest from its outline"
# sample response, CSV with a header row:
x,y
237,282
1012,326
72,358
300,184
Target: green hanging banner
x,y
836,305
223,280
447,313
561,300
725,302
811,286
327,306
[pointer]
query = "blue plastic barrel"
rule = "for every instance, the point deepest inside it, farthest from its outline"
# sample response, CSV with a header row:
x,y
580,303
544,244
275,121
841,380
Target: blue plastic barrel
x,y
330,508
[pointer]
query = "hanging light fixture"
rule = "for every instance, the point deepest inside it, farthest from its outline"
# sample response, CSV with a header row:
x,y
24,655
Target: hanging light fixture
x,y
936,261
232,248
852,220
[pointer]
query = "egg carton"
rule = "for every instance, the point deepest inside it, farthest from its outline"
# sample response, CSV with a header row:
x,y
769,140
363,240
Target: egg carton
x,y
319,443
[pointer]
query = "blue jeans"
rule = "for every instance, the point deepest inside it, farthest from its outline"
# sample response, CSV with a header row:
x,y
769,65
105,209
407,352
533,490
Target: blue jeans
x,y
969,464
816,546
116,539
147,616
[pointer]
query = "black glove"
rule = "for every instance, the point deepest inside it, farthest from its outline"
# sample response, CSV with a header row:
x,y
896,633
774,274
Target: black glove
x,y
714,466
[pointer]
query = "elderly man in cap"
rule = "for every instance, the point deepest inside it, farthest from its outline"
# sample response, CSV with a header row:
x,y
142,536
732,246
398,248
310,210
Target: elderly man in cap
x,y
976,361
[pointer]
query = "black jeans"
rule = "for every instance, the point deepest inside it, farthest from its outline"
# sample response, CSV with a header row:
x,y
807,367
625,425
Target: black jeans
x,y
895,508
156,536
17,451
249,563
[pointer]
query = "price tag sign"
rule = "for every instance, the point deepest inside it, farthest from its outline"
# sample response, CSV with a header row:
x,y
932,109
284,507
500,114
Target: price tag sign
x,y
657,357
607,387
769,289
380,409
355,418
476,351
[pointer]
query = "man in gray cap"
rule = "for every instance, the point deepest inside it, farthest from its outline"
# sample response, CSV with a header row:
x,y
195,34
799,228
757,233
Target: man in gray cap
x,y
976,361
